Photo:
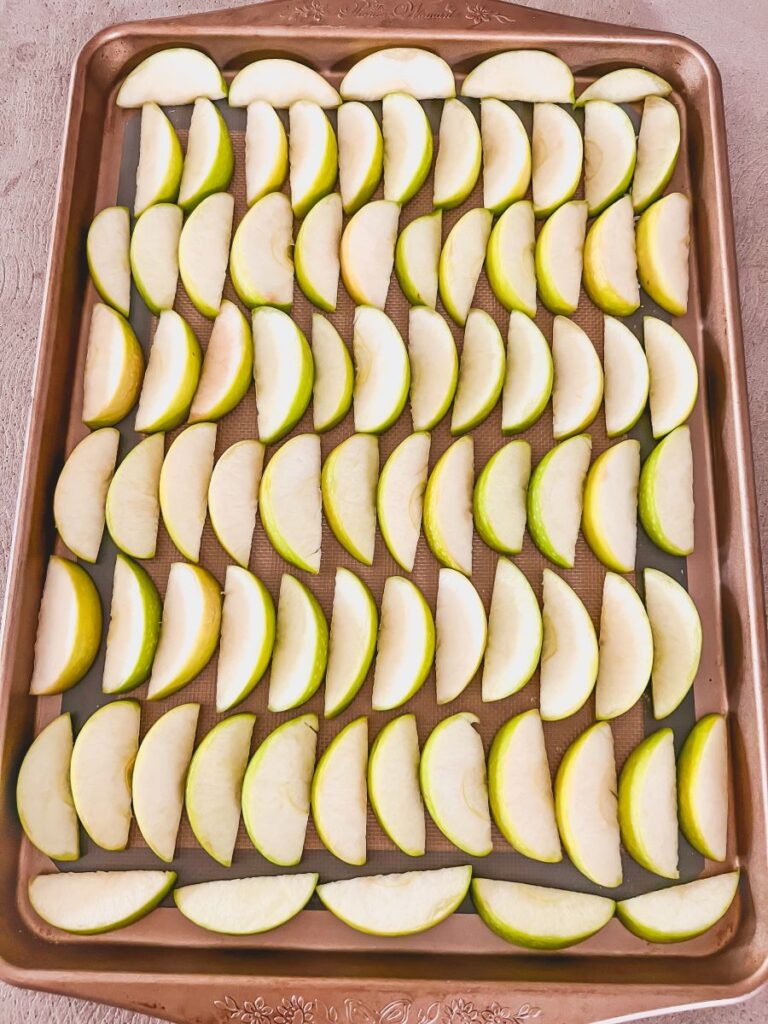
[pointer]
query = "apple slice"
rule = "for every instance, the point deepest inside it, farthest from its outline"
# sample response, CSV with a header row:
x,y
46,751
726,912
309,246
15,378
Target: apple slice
x,y
520,788
227,366
393,785
558,155
681,912
663,245
499,499
677,637
352,643
348,483
417,256
666,493
626,649
160,160
172,77
367,252
204,252
514,633
133,506
407,146
107,253
532,76
339,793
382,371
674,378
247,636
461,262
172,375
280,82
578,379
627,85
100,772
702,787
283,373
400,497
301,646
312,155
334,375
626,377
610,150
648,804
454,784
406,69
245,906
266,151
481,372
509,261
114,367
134,627
290,504
459,156
92,902
209,160
559,257
276,790
43,793
569,653
215,783
434,367
184,481
610,260
260,262
657,147
448,506
406,644
361,154
159,775
316,255
529,377
80,497
233,494
462,629
190,629
506,155
556,498
155,255
610,505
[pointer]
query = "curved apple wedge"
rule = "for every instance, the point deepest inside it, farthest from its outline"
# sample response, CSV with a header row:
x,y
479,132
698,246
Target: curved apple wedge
x,y
677,637
434,367
134,627
514,633
577,390
610,260
283,373
530,373
626,377
569,653
79,501
448,506
609,521
382,371
461,262
556,498
681,912
499,499
509,263
133,505
44,795
459,156
114,368
361,154
280,82
233,494
666,493
348,483
406,69
481,372
626,85
160,160
266,151
559,257
558,156
172,77
663,245
301,646
506,155
674,377
626,649
407,146
312,155
107,254
334,375
260,262
658,145
417,256
245,906
462,628
316,253
208,164
92,902
155,255
406,644
393,785
531,76
648,804
172,375
247,637
184,481
610,150
352,643
290,503
339,793
702,787
204,252
367,252
400,497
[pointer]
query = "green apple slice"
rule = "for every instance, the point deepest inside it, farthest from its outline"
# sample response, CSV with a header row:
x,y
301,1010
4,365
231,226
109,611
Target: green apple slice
x,y
260,262
532,76
514,633
155,255
233,495
609,521
610,152
134,627
107,252
334,375
434,366
339,793
354,625
681,912
578,379
666,493
459,156
276,790
657,147
184,481
677,637
245,906
189,631
448,506
556,498
627,85
348,483
481,372
587,807
43,793
301,646
100,772
160,160
92,902
204,252
173,372
509,261
80,497
382,371
626,649
406,69
361,154
610,260
290,503
663,244
530,373
558,156
393,785
159,775
215,783
312,155
506,155
520,788
227,366
114,367
266,151
133,505
702,787
209,160
559,257
454,784
462,628
280,82
400,497
499,499
172,77
406,645
247,637
283,372
569,653
417,256
407,146
540,918
674,378
461,262
367,252
316,255
648,804
626,377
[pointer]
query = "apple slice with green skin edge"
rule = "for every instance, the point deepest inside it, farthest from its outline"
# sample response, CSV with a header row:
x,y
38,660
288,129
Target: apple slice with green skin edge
x,y
233,496
266,151
316,255
352,643
627,85
348,484
556,499
227,366
514,633
434,367
93,902
334,375
280,82
100,772
300,655
204,252
114,367
247,637
184,481
155,255
462,629
361,154
648,804
532,76
509,261
610,153
133,505
577,391
393,785
405,648
666,493
172,77
674,377
461,262
313,156
215,783
481,372
569,652
454,784
161,160
417,255
260,261
557,155
663,245
499,499
400,497
290,503
382,371
658,145
677,638
245,906
367,252
681,912
339,797
80,497
159,775
406,69
702,787
283,373
189,631
506,155
209,160
276,790
530,373
520,788
134,627
626,649
43,793
626,377
610,260
587,807
459,156
107,253
559,257
173,372
609,520
448,506
407,146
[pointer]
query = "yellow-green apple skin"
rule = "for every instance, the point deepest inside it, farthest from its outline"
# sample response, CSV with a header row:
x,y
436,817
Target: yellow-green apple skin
x,y
610,260
174,76
570,220
633,793
156,128
702,787
661,916
217,162
151,612
663,234
104,410
650,493
537,524
174,408
44,795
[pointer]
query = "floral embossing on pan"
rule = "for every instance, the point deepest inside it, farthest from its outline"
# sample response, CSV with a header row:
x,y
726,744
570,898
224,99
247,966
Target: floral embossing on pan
x,y
295,1009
